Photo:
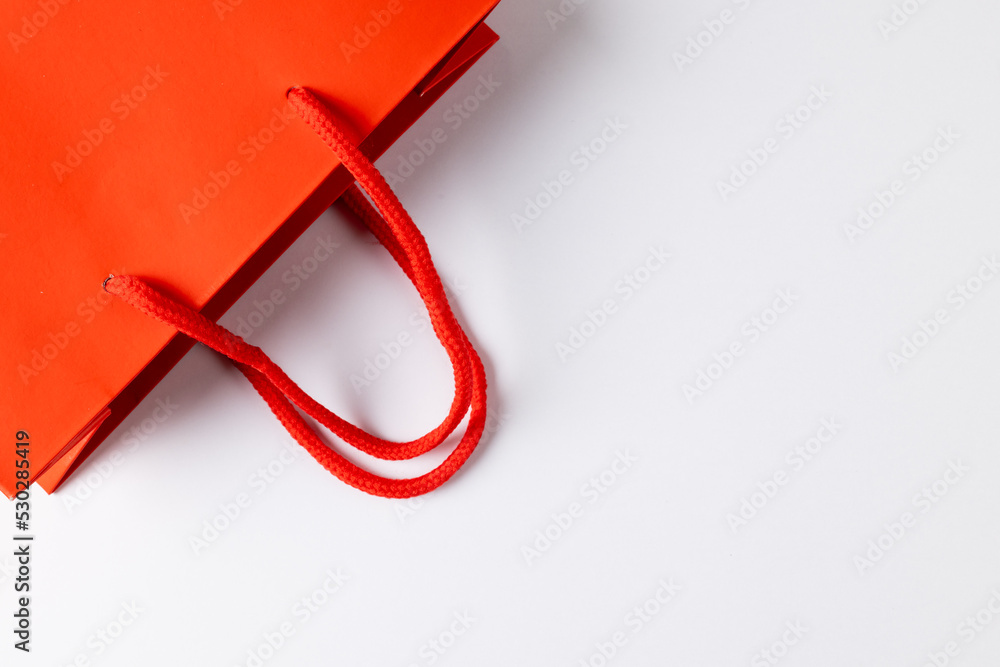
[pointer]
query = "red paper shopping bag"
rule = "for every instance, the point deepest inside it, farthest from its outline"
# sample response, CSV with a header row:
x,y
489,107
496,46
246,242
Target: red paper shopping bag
x,y
181,147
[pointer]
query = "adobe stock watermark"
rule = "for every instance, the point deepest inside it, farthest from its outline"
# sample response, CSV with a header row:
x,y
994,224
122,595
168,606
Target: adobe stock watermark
x,y
899,16
591,491
635,621
215,182
580,160
922,502
787,127
407,508
390,351
561,12
366,33
110,632
55,342
795,461
121,108
294,277
35,22
967,631
713,29
302,611
440,644
623,291
957,298
100,469
224,7
751,331
231,511
452,119
779,648
913,169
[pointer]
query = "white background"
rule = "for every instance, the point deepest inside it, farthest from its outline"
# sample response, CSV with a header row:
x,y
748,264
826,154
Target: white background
x,y
807,556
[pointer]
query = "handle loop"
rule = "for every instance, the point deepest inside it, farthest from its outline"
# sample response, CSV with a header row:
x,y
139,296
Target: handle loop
x,y
391,225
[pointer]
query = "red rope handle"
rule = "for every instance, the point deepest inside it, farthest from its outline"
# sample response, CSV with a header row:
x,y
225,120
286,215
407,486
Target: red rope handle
x,y
392,226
